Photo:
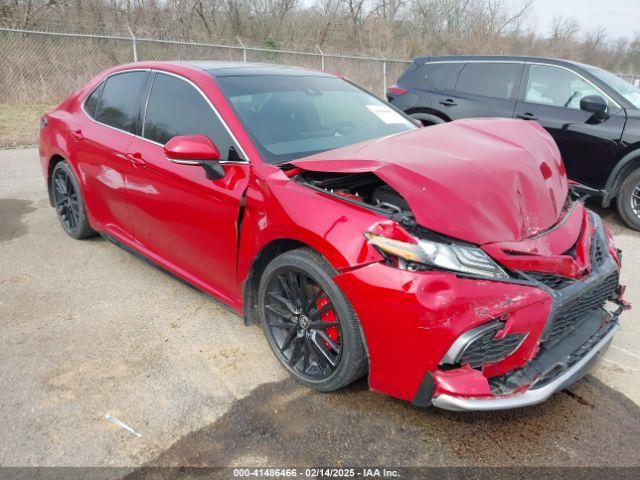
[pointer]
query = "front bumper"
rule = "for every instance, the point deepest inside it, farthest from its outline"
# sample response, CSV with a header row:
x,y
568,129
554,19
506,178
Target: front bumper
x,y
534,394
578,330
410,320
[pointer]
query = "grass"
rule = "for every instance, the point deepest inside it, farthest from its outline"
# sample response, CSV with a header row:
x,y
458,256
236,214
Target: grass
x,y
19,123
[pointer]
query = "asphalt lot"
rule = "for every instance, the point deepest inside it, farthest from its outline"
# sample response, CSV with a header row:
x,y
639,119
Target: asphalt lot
x,y
87,330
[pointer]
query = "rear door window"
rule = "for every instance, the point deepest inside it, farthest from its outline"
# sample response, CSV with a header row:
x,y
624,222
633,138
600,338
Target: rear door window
x,y
118,106
497,80
176,108
438,76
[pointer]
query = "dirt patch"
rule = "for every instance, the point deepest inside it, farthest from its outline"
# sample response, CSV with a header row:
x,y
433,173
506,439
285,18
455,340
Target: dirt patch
x,y
11,211
19,123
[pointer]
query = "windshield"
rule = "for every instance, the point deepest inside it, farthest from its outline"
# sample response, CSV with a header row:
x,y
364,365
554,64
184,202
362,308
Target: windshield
x,y
292,116
624,88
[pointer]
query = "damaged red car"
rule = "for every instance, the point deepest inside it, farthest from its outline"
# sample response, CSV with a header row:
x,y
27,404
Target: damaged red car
x,y
450,263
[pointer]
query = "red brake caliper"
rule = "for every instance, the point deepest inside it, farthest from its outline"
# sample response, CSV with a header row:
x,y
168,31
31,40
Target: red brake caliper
x,y
330,316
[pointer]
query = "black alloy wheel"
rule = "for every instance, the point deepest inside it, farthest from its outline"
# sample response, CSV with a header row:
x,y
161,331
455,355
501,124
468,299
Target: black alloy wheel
x,y
68,203
303,324
635,200
310,326
66,200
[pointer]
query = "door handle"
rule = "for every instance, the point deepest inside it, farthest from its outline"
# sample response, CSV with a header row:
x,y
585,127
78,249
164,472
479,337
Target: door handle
x,y
526,116
448,102
77,135
136,158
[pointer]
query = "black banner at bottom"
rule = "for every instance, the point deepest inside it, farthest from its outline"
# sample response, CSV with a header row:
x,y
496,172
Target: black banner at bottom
x,y
421,473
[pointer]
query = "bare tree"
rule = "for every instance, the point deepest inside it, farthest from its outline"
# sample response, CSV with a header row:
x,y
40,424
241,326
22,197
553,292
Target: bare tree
x,y
394,28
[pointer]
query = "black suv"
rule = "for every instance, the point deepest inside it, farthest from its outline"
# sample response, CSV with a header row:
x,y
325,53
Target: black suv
x,y
593,115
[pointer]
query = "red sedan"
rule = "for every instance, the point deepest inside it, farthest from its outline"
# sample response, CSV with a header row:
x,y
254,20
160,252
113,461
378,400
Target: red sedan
x,y
450,263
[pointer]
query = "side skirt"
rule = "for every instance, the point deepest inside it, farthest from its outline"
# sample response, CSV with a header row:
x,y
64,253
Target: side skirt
x,y
165,270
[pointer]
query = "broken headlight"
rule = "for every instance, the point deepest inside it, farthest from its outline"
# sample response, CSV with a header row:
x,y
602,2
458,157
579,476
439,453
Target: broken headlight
x,y
454,257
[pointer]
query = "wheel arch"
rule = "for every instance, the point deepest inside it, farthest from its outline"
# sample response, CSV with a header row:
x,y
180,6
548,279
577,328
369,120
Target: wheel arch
x,y
429,114
250,286
55,159
269,230
629,162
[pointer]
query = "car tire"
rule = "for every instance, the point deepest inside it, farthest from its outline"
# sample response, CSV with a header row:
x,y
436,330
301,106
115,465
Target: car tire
x,y
296,298
68,202
628,200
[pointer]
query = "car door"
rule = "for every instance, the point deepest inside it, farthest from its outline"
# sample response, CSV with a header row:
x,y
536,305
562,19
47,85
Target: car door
x,y
181,218
100,144
588,143
482,89
426,85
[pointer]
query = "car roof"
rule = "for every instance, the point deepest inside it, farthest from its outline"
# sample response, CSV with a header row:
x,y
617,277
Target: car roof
x,y
499,58
227,69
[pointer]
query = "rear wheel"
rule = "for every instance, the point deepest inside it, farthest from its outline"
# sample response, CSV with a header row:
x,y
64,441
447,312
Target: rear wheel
x,y
628,200
310,326
68,203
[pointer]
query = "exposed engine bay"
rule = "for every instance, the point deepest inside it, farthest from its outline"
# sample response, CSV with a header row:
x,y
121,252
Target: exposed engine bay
x,y
362,188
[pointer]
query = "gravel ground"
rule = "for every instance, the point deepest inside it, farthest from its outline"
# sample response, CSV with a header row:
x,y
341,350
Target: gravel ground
x,y
88,330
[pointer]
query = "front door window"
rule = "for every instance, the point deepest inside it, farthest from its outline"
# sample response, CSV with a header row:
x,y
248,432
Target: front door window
x,y
553,86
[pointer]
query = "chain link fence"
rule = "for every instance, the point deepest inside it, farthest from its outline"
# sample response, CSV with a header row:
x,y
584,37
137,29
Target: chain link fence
x,y
40,69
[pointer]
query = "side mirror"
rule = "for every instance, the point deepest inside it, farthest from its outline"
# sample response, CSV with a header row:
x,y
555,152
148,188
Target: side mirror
x,y
593,103
195,150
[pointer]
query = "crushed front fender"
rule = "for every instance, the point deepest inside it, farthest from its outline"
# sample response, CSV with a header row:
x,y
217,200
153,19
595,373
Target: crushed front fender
x,y
410,320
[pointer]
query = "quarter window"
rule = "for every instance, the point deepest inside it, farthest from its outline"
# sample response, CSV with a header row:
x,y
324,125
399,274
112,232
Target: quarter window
x,y
498,80
558,87
177,108
91,103
118,104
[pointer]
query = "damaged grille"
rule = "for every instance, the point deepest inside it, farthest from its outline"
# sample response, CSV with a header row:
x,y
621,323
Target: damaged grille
x,y
578,323
552,281
554,361
487,349
569,314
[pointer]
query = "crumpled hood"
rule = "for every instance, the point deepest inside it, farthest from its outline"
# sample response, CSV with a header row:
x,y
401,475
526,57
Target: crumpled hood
x,y
481,180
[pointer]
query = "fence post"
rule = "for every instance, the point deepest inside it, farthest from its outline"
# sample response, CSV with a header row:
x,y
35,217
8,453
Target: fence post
x,y
133,43
244,50
321,57
384,77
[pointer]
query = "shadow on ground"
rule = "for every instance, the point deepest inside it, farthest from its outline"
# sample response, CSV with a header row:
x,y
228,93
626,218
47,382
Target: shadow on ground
x,y
285,424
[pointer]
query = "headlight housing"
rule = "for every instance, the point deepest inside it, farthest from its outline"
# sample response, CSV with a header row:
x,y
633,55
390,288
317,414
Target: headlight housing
x,y
454,257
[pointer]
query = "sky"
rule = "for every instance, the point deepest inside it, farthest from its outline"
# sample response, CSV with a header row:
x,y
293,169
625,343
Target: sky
x,y
621,18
